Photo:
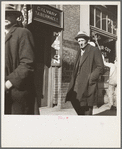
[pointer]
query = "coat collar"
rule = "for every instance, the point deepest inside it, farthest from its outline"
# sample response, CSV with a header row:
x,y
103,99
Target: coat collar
x,y
9,35
86,53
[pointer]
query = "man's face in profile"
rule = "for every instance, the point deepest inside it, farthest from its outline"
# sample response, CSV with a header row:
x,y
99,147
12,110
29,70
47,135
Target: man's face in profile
x,y
82,42
10,19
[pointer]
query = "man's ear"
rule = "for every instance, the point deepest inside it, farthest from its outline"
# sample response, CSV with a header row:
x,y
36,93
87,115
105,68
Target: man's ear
x,y
18,19
86,40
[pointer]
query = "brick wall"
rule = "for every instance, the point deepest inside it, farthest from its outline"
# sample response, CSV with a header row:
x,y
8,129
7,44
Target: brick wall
x,y
57,75
71,21
69,50
69,44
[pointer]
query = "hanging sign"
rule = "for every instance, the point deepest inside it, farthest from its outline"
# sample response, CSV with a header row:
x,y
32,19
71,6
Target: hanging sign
x,y
25,16
30,16
49,15
56,49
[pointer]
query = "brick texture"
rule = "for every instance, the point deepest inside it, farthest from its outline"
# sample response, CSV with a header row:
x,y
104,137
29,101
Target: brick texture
x,y
69,44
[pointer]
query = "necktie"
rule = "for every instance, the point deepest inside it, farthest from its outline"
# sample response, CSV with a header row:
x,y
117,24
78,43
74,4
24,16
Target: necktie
x,y
82,52
78,71
80,60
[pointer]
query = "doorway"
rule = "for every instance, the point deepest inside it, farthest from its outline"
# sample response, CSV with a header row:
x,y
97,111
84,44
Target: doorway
x,y
42,35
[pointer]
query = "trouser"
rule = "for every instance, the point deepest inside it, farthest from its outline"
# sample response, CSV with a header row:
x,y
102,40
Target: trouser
x,y
115,97
8,102
16,107
81,110
112,95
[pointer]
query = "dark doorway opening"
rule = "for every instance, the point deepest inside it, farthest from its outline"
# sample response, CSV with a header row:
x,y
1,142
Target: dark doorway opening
x,y
42,35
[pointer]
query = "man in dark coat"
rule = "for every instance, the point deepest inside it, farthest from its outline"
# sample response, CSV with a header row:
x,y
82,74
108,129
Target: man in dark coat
x,y
19,65
87,69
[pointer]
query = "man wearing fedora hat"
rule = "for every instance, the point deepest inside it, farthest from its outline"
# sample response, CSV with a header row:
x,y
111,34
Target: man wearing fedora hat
x,y
87,69
19,65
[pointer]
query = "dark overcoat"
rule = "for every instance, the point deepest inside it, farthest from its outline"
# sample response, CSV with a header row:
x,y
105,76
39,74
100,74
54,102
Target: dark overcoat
x,y
19,70
91,68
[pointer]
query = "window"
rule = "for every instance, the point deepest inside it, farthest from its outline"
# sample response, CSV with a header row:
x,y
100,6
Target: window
x,y
110,23
103,20
92,16
98,18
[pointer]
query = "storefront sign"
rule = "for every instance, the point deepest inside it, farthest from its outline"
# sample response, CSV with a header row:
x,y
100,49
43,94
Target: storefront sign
x,y
48,15
56,49
105,49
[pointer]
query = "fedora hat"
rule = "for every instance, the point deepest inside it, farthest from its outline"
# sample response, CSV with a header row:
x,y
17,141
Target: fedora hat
x,y
12,9
82,34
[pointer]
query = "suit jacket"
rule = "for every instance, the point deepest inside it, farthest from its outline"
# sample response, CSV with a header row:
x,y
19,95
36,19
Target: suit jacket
x,y
91,68
19,65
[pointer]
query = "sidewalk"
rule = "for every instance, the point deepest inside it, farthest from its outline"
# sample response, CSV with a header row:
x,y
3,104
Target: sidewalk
x,y
67,109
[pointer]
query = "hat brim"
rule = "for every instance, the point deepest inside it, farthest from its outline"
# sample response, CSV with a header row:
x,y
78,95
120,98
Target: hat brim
x,y
18,13
82,36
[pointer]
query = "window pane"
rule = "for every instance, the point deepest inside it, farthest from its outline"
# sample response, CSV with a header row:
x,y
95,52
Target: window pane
x,y
114,26
109,24
104,21
97,18
92,15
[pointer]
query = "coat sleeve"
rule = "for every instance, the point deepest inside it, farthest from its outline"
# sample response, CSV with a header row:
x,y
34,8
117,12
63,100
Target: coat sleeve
x,y
25,69
99,66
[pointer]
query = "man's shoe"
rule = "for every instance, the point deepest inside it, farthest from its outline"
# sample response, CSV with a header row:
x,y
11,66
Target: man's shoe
x,y
113,108
95,107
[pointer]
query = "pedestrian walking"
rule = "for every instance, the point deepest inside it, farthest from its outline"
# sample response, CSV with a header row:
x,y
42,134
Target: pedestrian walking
x,y
112,84
87,69
19,65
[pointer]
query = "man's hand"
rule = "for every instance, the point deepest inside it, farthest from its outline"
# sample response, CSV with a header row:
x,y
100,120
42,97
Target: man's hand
x,y
8,85
6,88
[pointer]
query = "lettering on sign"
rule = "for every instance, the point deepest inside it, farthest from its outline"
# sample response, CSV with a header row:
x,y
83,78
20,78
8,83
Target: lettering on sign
x,y
46,11
110,22
56,59
47,14
105,48
105,54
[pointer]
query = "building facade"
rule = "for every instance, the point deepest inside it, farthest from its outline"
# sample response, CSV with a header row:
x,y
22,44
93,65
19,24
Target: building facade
x,y
100,22
54,28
